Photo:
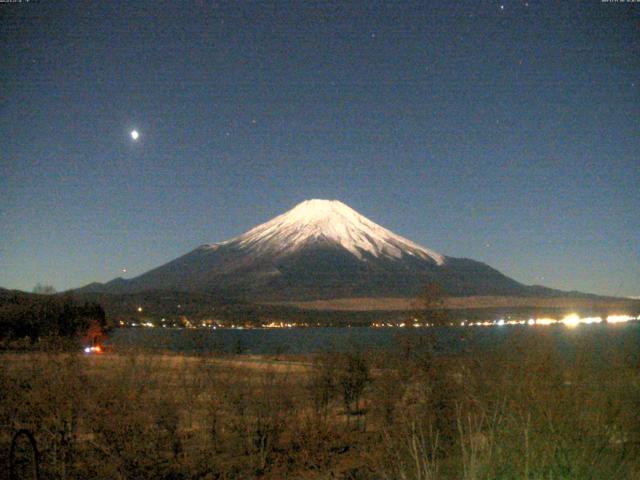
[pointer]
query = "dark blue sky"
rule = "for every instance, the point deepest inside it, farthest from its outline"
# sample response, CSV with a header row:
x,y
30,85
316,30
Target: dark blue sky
x,y
507,132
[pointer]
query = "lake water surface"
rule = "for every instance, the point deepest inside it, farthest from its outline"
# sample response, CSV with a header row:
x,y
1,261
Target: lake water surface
x,y
312,340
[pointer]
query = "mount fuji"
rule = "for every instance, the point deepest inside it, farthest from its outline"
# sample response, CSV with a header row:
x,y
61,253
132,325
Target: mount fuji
x,y
320,249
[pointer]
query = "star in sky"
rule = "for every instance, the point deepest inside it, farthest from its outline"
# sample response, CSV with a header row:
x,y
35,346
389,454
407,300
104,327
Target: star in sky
x,y
374,105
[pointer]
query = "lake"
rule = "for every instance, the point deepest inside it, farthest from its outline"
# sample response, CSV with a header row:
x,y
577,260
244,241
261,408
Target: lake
x,y
311,340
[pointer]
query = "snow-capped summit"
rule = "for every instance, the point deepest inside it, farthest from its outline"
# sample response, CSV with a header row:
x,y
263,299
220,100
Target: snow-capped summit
x,y
328,221
320,249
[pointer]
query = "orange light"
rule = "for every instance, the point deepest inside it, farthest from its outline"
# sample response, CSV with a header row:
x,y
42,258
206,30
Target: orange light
x,y
98,348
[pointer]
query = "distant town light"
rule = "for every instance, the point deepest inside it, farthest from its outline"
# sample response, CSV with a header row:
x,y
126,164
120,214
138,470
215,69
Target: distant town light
x,y
546,321
139,309
590,320
571,321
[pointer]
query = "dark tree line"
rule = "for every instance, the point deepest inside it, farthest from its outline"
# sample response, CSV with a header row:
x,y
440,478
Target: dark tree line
x,y
37,316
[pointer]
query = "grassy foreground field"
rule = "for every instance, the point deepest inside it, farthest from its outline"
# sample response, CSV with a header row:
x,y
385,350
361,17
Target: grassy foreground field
x,y
526,411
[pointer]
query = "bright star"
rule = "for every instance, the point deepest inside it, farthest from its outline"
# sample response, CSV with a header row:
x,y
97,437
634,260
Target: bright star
x,y
134,134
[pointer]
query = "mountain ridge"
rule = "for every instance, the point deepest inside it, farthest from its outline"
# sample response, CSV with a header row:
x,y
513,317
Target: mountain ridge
x,y
319,249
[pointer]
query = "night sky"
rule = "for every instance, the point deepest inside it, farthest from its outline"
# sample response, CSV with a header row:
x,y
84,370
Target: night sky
x,y
507,132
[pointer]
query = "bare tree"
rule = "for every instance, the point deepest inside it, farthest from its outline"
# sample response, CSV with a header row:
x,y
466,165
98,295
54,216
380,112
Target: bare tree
x,y
353,377
322,385
44,289
431,306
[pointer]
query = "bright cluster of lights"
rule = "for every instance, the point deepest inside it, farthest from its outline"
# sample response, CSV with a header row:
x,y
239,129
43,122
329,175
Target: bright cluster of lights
x,y
96,349
401,324
571,321
282,325
621,318
574,320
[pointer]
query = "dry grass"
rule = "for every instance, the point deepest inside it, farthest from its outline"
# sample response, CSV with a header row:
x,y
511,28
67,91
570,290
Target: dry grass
x,y
527,411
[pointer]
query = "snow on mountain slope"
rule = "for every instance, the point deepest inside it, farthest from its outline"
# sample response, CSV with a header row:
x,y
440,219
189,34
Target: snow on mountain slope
x,y
320,249
330,221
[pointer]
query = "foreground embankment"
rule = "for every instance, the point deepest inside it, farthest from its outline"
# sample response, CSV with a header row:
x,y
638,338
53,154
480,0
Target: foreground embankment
x,y
532,408
487,302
